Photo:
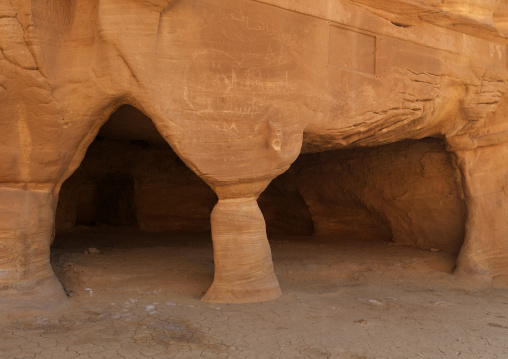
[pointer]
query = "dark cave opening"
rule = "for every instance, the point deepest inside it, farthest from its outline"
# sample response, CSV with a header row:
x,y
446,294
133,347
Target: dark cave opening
x,y
133,195
112,202
406,192
130,177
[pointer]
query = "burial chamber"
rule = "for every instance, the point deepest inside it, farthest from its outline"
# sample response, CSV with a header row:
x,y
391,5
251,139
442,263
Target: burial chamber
x,y
377,119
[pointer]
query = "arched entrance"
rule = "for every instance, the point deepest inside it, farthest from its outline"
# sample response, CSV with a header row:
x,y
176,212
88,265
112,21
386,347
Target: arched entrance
x,y
395,209
132,191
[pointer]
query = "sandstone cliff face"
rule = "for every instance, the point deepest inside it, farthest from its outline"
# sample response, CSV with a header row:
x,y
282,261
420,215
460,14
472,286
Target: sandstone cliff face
x,y
238,89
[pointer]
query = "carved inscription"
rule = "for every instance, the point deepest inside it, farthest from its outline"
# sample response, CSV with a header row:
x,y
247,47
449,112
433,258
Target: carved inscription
x,y
351,50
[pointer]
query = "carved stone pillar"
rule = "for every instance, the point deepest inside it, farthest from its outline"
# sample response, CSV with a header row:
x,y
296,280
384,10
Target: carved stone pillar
x,y
243,261
485,175
26,233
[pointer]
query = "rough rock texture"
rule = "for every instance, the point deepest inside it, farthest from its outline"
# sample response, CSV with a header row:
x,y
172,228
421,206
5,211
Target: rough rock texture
x,y
408,192
236,88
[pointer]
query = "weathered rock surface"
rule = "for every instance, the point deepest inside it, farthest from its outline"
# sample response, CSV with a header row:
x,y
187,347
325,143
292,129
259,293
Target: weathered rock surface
x,y
408,192
236,88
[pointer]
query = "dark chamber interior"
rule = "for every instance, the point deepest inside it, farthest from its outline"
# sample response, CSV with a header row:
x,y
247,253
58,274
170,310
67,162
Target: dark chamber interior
x,y
407,192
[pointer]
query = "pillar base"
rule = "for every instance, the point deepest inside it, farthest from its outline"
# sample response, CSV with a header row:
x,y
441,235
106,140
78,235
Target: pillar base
x,y
261,291
26,232
25,299
243,260
484,254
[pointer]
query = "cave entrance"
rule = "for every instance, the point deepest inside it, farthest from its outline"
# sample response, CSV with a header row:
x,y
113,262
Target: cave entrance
x,y
133,206
130,177
399,204
134,217
409,192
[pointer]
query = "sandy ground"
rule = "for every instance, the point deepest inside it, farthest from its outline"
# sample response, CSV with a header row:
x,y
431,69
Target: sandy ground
x,y
139,298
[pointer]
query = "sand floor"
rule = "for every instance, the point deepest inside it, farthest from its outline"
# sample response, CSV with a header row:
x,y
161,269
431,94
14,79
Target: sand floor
x,y
139,298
